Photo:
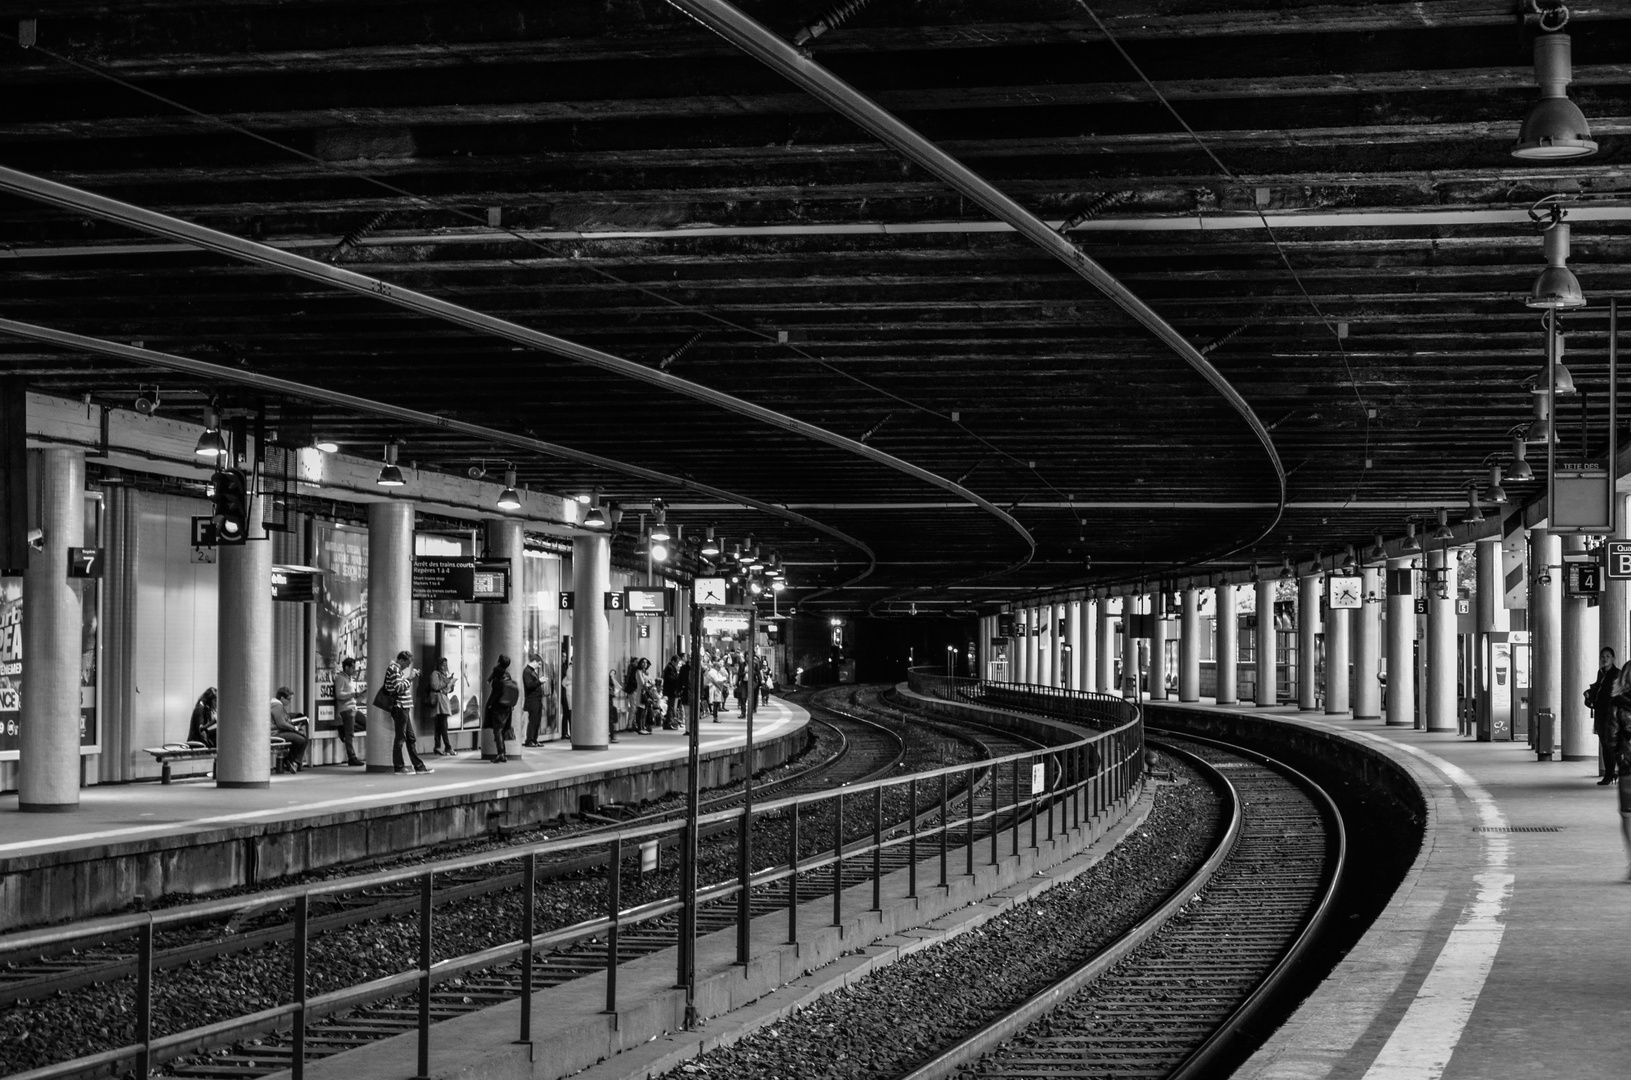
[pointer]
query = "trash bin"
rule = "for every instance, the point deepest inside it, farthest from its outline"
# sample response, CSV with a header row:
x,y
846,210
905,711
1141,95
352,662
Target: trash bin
x,y
1545,734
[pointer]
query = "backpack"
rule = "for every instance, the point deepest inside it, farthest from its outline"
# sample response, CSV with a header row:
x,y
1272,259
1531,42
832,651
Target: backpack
x,y
631,677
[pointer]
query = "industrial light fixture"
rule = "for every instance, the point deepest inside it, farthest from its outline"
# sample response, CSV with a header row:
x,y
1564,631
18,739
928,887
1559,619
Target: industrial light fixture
x,y
614,514
1556,288
1562,380
1410,541
211,444
583,498
754,587
659,550
327,446
710,547
595,518
1495,493
1350,561
1377,551
1540,428
508,499
1520,470
1286,570
1442,530
659,526
777,585
1554,126
1474,515
390,475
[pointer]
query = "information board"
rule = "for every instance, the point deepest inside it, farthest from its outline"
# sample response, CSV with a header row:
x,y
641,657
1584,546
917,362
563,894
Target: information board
x,y
294,584
639,601
452,577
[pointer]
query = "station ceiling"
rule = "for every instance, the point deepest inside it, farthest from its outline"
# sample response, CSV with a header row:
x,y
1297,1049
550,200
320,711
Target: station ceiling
x,y
1342,234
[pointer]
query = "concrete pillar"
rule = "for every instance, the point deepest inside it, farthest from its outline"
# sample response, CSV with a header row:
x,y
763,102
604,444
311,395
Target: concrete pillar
x,y
1367,646
1308,625
1266,660
48,742
1158,646
1491,611
1611,609
1131,688
503,626
1227,647
243,757
1087,647
1189,647
1070,667
591,578
1546,611
1579,669
1106,649
390,616
1337,622
1401,651
1441,660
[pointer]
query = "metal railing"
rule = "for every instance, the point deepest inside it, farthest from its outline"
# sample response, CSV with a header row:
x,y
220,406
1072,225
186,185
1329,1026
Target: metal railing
x,y
1103,711
1079,779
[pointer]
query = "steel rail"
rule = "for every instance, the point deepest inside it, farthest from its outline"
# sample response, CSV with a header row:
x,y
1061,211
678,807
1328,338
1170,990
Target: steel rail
x,y
736,27
66,197
220,373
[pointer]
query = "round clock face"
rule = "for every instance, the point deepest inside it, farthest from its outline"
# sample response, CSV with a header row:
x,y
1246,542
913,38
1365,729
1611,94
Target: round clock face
x,y
1345,592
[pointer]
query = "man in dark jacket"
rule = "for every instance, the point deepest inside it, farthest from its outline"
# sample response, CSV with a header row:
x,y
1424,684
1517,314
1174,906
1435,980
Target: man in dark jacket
x,y
1600,697
671,690
682,695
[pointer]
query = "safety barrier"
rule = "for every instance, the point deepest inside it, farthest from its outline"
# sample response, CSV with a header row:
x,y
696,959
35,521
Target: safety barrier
x,y
1061,787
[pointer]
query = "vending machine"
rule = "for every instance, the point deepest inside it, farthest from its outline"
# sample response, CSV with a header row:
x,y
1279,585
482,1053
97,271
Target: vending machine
x,y
1496,683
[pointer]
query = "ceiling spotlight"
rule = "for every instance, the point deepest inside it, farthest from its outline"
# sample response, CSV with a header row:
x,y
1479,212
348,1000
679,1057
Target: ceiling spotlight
x,y
710,547
390,475
508,499
659,550
1410,541
1495,493
211,444
614,514
1540,428
1474,514
1442,530
754,587
1377,551
1520,470
327,446
595,518
1286,570
1554,126
584,499
1556,288
1562,380
1350,561
777,585
659,527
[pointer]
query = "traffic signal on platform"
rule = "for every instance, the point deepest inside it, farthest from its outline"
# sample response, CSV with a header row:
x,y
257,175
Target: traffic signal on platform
x,y
231,515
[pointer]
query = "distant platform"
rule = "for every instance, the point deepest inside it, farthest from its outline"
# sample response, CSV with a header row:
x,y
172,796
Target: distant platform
x,y
130,841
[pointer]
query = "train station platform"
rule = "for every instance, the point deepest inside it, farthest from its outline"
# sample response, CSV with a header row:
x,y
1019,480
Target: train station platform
x,y
1505,951
131,842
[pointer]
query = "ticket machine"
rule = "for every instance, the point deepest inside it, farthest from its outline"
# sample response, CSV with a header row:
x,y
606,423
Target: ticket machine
x,y
1496,681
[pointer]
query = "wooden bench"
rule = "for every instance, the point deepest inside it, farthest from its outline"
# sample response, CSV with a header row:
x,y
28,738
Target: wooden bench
x,y
170,753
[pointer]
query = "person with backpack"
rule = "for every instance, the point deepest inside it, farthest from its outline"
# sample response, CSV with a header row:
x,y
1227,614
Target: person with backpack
x,y
502,694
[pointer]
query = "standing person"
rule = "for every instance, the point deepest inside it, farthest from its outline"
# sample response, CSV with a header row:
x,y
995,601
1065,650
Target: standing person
x,y
532,700
678,712
283,727
566,700
201,728
717,681
399,687
1600,699
671,690
441,700
647,699
502,694
347,692
741,677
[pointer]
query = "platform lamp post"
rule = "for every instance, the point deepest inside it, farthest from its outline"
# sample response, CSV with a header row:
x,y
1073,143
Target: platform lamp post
x,y
744,836
688,846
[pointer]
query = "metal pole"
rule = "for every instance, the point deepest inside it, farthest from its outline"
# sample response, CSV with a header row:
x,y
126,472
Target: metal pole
x,y
945,834
793,878
877,849
693,809
614,904
1013,804
144,999
297,1061
838,862
911,844
529,902
996,831
425,899
968,824
744,836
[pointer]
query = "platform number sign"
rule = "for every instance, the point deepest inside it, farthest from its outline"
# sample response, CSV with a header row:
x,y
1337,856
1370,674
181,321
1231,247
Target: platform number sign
x,y
613,601
1618,557
566,599
84,562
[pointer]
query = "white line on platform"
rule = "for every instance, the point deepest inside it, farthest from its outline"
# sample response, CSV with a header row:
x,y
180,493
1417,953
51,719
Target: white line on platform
x,y
765,729
1431,1028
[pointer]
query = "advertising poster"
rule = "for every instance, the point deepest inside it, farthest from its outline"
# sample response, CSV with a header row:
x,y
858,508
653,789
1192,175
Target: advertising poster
x,y
340,608
11,663
89,629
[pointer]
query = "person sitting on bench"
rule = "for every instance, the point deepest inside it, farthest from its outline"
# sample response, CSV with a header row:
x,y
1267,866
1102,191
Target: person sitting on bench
x,y
201,729
284,727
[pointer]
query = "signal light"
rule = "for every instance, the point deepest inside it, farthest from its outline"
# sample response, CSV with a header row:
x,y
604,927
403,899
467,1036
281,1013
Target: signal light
x,y
231,514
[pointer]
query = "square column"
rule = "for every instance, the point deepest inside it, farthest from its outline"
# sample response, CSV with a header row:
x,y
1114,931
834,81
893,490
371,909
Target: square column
x,y
1189,647
1612,632
1366,624
390,617
1546,609
1267,690
49,717
1579,664
1227,646
1401,644
1308,621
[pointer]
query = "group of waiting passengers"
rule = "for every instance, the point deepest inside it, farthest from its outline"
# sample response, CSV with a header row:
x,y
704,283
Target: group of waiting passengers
x,y
642,700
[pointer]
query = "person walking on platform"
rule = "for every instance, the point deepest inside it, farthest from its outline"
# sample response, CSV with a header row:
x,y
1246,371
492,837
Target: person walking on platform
x,y
347,704
441,703
201,728
718,681
1600,699
532,700
284,727
502,694
398,688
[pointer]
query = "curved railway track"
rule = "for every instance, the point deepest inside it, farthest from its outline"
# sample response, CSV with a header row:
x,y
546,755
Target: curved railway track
x,y
869,749
1171,998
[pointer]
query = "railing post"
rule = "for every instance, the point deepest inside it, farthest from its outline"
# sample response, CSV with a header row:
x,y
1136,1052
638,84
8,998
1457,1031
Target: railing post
x,y
744,911
297,1059
425,897
614,905
529,900
968,822
1013,809
877,849
911,843
996,830
793,878
838,862
144,999
945,834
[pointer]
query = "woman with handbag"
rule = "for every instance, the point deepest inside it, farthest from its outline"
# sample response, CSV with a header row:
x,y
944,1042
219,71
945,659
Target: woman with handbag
x,y
441,701
502,694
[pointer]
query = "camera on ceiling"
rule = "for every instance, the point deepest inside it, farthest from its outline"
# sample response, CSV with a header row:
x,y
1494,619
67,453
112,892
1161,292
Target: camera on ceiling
x,y
147,402
36,539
